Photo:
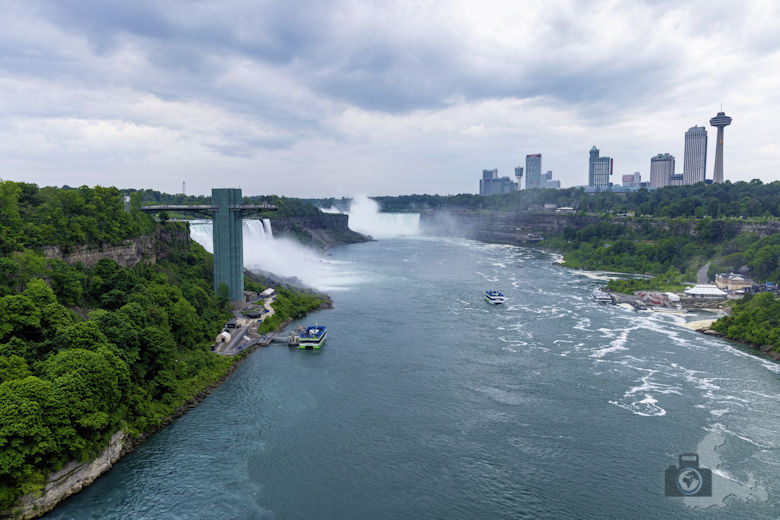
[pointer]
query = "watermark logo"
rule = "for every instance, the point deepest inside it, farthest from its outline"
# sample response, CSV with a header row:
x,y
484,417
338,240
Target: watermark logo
x,y
688,479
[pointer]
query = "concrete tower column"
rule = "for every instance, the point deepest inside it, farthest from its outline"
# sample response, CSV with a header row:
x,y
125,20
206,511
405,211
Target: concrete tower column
x,y
720,122
228,242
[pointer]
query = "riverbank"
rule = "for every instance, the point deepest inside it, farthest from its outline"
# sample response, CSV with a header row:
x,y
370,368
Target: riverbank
x,y
705,327
76,476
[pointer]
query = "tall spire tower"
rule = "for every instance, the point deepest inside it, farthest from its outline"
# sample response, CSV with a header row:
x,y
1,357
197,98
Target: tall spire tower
x,y
720,122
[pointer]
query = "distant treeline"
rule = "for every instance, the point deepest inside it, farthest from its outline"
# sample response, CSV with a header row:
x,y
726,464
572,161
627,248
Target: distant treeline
x,y
740,199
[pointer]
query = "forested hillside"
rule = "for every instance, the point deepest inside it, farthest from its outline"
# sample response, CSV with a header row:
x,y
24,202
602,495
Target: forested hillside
x,y
33,217
83,351
755,319
651,250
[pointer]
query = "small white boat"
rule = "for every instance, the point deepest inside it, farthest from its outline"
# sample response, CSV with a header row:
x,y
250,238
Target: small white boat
x,y
494,297
601,296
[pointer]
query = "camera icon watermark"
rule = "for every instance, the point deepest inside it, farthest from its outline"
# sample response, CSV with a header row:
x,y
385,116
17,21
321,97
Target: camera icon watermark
x,y
688,479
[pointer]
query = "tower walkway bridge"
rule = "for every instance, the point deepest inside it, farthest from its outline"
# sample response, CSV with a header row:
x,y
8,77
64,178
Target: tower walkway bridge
x,y
210,209
228,240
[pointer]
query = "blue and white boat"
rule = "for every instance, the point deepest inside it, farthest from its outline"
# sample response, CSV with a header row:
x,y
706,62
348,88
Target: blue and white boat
x,y
313,336
494,297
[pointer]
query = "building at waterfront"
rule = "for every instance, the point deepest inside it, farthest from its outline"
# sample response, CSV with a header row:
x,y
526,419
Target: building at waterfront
x,y
599,169
533,171
695,155
519,176
720,121
710,292
661,170
492,184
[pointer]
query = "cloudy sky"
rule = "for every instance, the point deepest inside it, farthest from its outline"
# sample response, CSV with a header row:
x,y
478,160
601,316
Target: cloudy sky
x,y
315,98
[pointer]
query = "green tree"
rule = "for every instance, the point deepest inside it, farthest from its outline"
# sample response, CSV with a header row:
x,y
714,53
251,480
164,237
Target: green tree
x,y
18,315
84,335
40,293
13,367
187,327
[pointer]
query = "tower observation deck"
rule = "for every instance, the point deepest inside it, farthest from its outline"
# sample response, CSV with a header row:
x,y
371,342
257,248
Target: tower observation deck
x,y
227,211
720,121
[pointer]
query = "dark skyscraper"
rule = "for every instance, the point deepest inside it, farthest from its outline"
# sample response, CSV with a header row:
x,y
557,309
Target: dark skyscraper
x,y
720,122
594,154
599,169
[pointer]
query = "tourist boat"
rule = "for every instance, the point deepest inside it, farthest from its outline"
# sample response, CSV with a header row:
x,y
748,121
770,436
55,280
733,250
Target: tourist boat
x,y
601,296
494,297
313,336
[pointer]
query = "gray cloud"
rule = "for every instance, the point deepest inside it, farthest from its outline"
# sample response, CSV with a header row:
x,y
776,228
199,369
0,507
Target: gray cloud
x,y
252,82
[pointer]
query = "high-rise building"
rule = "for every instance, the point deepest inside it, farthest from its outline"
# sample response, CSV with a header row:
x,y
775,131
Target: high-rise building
x,y
661,170
695,156
519,176
720,122
486,181
549,182
533,171
492,184
594,154
599,169
602,169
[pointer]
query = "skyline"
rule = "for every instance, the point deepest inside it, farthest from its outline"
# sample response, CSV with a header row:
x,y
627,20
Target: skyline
x,y
312,99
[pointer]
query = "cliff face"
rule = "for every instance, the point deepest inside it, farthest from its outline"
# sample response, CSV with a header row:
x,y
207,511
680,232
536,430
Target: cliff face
x,y
513,228
322,231
66,482
149,247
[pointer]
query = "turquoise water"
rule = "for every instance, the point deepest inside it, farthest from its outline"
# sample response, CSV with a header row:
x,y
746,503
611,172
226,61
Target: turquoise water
x,y
426,402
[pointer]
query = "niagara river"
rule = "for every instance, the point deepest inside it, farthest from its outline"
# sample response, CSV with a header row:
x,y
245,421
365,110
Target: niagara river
x,y
426,402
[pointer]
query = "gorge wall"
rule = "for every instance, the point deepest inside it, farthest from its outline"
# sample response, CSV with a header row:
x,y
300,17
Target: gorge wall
x,y
320,231
69,480
515,227
151,248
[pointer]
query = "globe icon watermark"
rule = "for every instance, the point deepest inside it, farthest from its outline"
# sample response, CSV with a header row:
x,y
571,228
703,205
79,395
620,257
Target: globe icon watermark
x,y
688,479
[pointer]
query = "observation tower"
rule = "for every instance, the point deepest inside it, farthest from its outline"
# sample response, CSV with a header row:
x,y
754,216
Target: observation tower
x,y
720,122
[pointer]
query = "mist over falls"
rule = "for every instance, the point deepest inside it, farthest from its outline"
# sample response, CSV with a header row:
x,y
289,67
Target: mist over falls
x,y
289,258
365,217
284,257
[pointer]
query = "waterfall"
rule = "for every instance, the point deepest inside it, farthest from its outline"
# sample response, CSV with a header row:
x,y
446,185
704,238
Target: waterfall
x,y
365,217
282,256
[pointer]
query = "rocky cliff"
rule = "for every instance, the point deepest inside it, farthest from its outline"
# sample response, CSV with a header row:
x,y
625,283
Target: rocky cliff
x,y
67,481
321,231
515,227
147,247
